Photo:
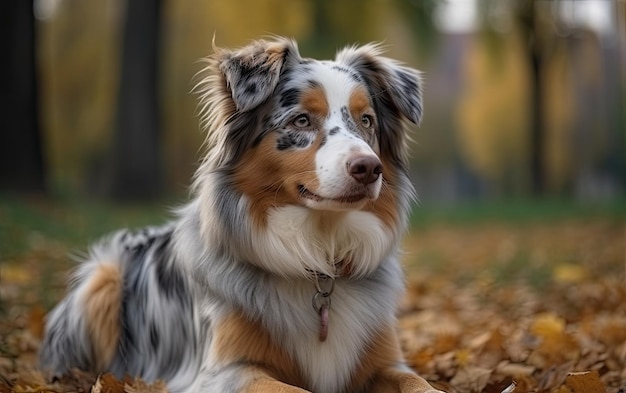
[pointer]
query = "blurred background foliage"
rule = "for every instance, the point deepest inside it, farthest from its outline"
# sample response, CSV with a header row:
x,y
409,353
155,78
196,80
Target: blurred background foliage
x,y
522,98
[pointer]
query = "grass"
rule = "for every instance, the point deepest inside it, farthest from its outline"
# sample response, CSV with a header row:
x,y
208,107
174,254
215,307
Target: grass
x,y
74,222
516,211
40,236
26,222
535,243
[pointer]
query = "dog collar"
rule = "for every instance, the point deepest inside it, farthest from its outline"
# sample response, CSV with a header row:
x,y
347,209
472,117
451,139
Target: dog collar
x,y
324,286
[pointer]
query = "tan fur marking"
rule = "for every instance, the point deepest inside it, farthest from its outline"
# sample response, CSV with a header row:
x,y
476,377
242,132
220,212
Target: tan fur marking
x,y
359,104
327,221
270,178
377,368
238,339
391,381
265,384
382,352
385,206
314,100
102,312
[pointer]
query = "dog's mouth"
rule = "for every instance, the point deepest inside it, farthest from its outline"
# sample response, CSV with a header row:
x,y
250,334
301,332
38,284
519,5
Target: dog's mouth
x,y
346,199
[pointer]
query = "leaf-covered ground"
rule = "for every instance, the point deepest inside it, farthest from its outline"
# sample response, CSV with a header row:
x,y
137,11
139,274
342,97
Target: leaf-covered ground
x,y
497,306
529,303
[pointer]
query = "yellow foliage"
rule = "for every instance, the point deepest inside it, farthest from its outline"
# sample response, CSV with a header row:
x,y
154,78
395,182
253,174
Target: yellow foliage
x,y
569,273
78,65
80,53
556,344
463,357
236,23
548,326
493,111
494,115
15,273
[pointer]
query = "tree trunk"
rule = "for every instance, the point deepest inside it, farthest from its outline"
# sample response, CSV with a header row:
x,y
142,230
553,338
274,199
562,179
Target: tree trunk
x,y
537,155
135,163
21,158
531,31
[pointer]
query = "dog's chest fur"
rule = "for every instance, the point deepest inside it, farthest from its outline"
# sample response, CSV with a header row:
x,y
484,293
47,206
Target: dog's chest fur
x,y
357,312
298,239
360,306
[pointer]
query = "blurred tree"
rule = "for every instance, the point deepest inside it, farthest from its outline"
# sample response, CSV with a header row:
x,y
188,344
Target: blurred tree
x,y
493,116
558,138
534,21
189,27
78,54
21,159
235,23
336,24
419,15
135,163
539,44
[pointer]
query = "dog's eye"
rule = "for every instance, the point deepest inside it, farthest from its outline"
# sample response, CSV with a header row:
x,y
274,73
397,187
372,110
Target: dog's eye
x,y
302,121
367,121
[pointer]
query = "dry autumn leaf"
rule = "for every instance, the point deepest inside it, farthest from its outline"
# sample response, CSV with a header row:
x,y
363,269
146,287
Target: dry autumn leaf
x,y
107,383
585,382
139,386
471,379
556,345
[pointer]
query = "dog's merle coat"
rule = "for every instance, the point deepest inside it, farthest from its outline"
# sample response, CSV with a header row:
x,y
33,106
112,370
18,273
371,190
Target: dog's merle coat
x,y
305,177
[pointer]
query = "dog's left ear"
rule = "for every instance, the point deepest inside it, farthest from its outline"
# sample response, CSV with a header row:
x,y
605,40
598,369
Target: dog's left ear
x,y
253,71
392,86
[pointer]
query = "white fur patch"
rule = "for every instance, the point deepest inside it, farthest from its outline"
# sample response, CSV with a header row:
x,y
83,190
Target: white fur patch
x,y
293,241
354,317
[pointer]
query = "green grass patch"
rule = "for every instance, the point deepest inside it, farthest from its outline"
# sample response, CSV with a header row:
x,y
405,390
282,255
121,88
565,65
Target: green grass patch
x,y
515,212
25,222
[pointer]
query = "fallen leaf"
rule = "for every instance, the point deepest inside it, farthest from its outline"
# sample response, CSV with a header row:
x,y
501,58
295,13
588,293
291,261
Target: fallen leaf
x,y
556,345
510,388
471,379
139,386
108,383
36,321
569,273
514,370
585,382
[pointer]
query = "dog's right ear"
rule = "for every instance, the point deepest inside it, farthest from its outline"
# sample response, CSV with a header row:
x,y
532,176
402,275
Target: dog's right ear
x,y
253,71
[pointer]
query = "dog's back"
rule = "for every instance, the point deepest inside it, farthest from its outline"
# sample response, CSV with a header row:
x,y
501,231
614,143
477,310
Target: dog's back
x,y
130,311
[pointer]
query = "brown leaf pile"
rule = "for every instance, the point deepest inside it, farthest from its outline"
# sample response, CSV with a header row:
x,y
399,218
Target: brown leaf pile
x,y
473,339
78,381
496,309
542,306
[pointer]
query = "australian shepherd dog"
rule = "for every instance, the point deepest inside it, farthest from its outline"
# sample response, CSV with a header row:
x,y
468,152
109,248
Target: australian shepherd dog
x,y
282,274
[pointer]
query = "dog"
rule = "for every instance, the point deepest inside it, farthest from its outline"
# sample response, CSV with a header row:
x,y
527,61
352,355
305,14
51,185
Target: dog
x,y
282,273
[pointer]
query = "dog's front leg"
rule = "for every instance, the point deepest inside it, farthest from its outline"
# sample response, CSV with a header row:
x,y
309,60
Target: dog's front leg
x,y
248,360
400,381
241,378
270,385
386,370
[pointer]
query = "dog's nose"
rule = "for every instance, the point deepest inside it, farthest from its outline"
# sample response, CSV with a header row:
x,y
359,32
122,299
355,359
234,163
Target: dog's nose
x,y
365,169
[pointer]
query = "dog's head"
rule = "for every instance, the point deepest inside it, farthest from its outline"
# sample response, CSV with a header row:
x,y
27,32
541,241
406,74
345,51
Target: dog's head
x,y
326,135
